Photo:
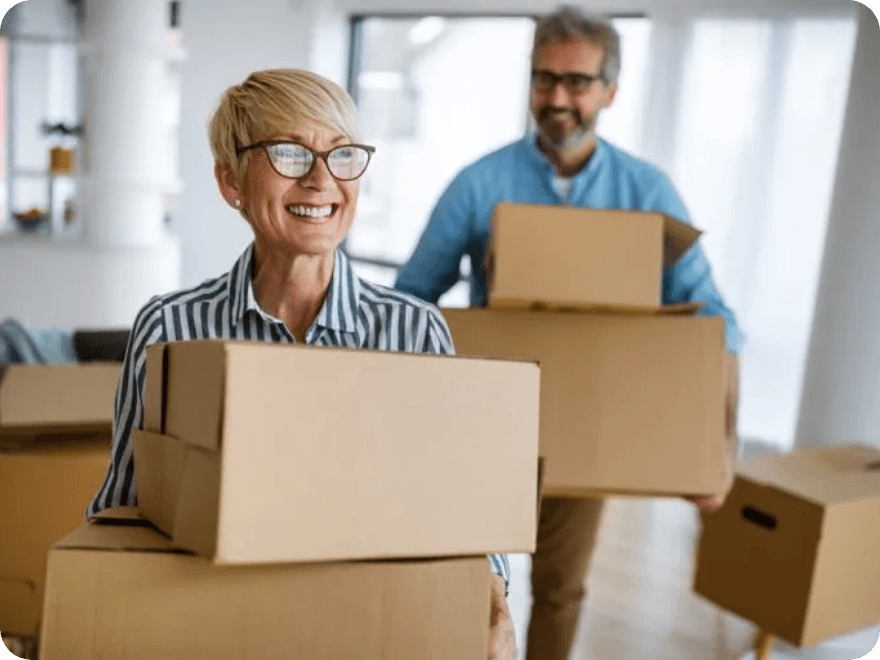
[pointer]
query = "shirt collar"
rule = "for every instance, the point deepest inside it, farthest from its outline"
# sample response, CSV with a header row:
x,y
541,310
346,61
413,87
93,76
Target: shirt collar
x,y
340,308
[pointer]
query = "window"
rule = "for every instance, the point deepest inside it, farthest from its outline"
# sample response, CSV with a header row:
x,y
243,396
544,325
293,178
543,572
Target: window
x,y
744,115
434,94
762,105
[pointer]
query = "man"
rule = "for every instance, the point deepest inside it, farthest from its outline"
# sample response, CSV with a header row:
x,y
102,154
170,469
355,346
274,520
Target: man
x,y
575,65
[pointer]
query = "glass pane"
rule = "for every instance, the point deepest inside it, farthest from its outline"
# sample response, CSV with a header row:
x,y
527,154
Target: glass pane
x,y
430,112
434,94
787,260
762,111
621,123
373,273
457,296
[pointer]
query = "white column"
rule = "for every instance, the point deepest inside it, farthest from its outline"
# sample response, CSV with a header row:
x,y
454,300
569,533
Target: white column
x,y
841,393
124,60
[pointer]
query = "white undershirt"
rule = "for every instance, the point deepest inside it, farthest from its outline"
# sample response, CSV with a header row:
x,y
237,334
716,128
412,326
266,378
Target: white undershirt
x,y
562,185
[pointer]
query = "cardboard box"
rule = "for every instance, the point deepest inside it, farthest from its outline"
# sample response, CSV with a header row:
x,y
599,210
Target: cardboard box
x,y
44,492
126,592
630,404
43,401
558,257
795,548
259,453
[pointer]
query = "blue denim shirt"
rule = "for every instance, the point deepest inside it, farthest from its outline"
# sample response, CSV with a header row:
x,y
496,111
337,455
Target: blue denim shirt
x,y
520,172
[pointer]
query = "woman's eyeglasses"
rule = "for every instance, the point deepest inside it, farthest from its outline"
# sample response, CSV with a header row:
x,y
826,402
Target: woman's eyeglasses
x,y
294,161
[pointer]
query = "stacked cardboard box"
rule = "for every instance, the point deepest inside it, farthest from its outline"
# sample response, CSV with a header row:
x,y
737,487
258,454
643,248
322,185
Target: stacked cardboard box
x,y
333,503
795,547
633,392
55,424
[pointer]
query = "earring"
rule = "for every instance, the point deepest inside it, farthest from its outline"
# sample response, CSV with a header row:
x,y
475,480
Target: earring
x,y
237,203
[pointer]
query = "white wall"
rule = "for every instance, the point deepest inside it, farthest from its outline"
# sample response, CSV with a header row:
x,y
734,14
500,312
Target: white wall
x,y
82,286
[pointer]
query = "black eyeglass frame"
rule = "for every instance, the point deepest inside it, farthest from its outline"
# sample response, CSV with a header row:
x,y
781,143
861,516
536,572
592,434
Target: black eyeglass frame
x,y
574,81
323,155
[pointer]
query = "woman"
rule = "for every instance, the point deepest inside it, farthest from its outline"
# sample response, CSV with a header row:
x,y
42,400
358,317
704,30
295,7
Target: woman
x,y
286,156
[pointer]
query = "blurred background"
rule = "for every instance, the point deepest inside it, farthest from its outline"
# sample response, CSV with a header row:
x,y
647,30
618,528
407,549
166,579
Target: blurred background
x,y
763,114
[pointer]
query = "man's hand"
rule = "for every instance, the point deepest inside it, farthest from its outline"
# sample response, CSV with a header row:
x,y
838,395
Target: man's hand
x,y
502,639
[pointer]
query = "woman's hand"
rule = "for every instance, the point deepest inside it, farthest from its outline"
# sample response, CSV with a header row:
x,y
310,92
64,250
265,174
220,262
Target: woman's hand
x,y
502,640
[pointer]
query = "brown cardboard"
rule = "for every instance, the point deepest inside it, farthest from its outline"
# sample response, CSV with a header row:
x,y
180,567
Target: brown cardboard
x,y
48,400
564,257
629,404
795,546
127,592
44,493
260,453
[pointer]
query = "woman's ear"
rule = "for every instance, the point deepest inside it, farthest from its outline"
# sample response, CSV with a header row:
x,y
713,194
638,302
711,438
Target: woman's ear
x,y
229,184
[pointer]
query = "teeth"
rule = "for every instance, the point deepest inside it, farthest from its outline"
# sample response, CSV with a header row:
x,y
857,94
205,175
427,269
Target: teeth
x,y
311,211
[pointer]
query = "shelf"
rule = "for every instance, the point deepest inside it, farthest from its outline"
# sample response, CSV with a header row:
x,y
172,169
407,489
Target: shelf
x,y
41,39
39,174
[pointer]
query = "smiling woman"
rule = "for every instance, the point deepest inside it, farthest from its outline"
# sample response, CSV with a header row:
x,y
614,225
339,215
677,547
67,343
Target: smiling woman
x,y
287,158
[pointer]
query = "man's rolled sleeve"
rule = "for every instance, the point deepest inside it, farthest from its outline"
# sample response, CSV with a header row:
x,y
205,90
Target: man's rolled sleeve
x,y
690,278
433,268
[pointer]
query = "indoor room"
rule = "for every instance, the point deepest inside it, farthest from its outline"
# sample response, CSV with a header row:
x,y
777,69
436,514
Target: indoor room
x,y
672,342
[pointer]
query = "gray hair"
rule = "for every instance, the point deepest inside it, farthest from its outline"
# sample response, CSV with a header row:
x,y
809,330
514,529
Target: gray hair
x,y
571,23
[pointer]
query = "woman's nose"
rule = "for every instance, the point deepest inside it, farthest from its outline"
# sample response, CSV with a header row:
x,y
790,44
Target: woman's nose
x,y
319,178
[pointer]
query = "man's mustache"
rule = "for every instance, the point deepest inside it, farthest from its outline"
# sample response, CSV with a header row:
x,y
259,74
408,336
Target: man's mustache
x,y
548,111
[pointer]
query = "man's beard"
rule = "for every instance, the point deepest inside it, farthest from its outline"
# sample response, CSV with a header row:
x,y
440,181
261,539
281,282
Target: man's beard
x,y
559,136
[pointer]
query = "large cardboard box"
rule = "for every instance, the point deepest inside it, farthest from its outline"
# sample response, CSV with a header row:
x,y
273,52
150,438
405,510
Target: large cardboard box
x,y
42,401
562,257
630,404
44,492
258,452
796,547
119,591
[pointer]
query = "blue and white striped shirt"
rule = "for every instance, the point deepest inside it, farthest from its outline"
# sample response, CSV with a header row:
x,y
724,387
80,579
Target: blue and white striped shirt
x,y
355,314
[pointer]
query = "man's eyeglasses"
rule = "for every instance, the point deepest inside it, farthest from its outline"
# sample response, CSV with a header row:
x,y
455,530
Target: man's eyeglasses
x,y
294,161
576,83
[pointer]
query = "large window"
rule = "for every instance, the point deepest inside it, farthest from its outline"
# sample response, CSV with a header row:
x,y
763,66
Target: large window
x,y
436,93
744,115
755,154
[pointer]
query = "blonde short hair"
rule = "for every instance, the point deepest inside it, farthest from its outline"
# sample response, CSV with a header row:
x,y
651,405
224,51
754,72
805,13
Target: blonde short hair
x,y
274,101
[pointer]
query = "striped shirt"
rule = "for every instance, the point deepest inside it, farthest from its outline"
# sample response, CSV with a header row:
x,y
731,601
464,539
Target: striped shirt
x,y
355,314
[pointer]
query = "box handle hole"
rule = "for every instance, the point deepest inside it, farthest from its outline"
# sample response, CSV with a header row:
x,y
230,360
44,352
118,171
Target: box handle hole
x,y
759,518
